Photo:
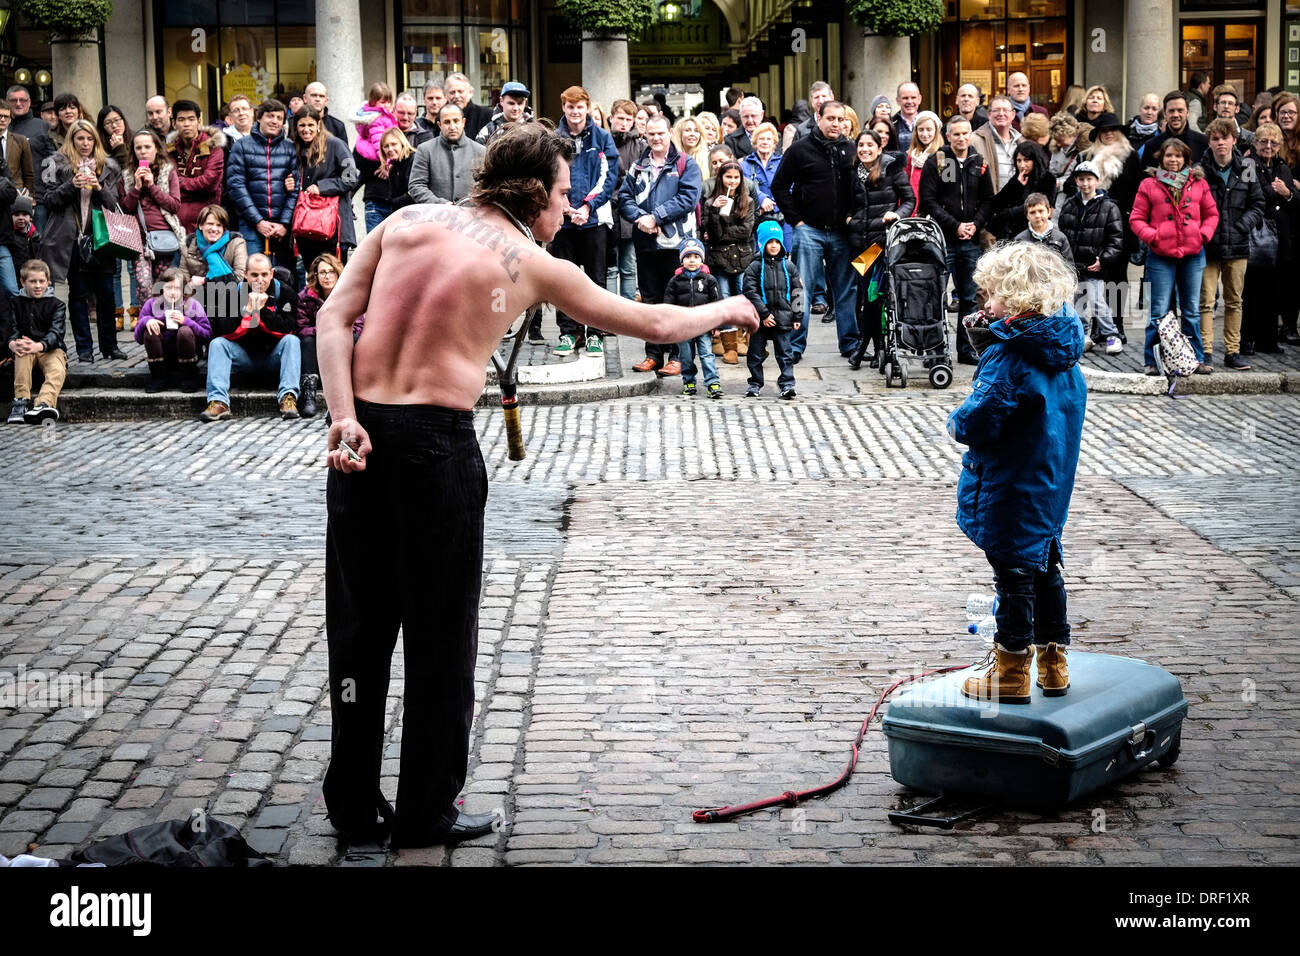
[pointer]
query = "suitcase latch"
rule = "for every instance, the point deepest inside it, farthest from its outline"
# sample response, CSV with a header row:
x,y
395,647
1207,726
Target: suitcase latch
x,y
1138,734
1051,756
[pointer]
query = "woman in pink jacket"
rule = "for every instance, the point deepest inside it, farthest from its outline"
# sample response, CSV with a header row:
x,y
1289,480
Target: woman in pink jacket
x,y
1175,216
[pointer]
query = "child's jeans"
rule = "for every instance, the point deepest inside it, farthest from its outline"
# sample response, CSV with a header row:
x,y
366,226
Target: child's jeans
x,y
780,339
1095,305
1031,605
701,346
54,366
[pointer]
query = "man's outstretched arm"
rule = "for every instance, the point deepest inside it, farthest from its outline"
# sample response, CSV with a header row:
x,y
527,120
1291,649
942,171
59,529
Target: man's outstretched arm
x,y
567,287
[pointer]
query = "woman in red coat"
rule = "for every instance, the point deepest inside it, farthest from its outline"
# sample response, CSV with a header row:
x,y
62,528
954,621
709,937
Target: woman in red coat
x,y
1175,215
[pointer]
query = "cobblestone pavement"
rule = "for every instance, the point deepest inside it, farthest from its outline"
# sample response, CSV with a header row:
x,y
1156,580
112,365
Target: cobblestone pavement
x,y
686,603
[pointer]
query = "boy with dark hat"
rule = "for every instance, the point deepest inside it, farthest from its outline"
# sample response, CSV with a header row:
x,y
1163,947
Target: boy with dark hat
x,y
692,285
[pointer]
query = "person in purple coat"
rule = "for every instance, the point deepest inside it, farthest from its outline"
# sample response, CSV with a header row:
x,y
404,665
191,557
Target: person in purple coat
x,y
172,327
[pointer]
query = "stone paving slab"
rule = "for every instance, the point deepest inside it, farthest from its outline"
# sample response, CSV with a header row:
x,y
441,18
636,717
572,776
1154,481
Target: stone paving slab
x,y
686,603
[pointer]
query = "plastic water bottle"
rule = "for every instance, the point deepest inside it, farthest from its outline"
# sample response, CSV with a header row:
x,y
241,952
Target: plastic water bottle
x,y
980,615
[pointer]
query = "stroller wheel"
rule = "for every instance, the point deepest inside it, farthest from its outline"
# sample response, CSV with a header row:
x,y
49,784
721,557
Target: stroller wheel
x,y
940,376
902,373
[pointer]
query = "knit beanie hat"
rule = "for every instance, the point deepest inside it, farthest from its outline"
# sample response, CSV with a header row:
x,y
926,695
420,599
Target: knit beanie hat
x,y
768,230
877,101
690,245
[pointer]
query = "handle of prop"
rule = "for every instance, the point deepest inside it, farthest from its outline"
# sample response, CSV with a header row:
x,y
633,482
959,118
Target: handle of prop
x,y
514,430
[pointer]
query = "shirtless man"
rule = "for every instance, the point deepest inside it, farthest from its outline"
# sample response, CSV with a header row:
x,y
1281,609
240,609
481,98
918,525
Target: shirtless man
x,y
405,535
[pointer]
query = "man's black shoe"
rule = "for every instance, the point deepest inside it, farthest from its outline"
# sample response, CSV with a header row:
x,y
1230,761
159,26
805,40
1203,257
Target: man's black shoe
x,y
117,353
374,831
967,360
1235,361
468,826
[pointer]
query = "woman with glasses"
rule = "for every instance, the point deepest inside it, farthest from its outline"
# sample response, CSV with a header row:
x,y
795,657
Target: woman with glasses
x,y
322,277
1261,306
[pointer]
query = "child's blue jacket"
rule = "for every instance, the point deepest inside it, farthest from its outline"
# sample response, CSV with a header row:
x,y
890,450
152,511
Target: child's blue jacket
x,y
1023,422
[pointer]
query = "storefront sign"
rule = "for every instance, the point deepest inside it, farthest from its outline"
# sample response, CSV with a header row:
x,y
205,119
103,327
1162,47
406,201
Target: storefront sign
x,y
563,41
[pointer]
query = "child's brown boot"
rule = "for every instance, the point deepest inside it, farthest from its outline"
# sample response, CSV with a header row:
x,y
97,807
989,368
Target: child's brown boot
x,y
742,342
1053,674
1007,681
729,347
717,343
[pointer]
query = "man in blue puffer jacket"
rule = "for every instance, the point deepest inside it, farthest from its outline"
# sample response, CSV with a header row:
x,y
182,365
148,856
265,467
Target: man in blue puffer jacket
x,y
1023,422
594,178
258,173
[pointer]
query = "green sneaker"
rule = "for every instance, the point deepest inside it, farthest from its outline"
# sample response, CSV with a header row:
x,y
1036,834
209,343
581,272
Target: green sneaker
x,y
689,389
595,345
565,345
715,390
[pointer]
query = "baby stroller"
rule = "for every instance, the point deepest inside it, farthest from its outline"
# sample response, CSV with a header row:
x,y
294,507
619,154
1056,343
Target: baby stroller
x,y
915,279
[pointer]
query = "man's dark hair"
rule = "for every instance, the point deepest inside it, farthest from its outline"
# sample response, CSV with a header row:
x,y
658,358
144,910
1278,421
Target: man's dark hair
x,y
449,106
1174,95
829,104
733,113
1198,79
519,170
187,106
271,105
734,96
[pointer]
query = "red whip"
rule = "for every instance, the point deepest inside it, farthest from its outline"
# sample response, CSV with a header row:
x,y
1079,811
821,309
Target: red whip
x,y
792,798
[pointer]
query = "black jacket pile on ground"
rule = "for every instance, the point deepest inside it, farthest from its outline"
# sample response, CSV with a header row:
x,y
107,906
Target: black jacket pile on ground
x,y
952,197
812,185
1095,231
277,316
891,193
692,288
1241,206
41,320
770,284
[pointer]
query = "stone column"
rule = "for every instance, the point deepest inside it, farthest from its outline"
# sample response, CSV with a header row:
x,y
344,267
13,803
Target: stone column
x,y
873,65
1149,44
74,65
338,54
605,73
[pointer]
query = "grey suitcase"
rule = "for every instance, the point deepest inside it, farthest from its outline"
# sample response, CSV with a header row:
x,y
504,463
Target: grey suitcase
x,y
1119,715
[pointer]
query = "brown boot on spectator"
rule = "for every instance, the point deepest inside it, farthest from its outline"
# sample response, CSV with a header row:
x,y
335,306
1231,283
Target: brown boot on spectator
x,y
120,317
729,347
717,343
742,342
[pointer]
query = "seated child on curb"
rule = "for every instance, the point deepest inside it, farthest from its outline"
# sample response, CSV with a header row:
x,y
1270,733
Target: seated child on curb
x,y
691,285
1039,213
34,322
172,326
372,119
1022,421
772,284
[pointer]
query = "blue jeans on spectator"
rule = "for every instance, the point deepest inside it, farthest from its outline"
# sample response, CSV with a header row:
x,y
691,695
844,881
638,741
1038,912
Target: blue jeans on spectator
x,y
226,356
376,212
728,284
627,268
702,346
1097,308
822,255
8,272
1163,274
962,256
781,345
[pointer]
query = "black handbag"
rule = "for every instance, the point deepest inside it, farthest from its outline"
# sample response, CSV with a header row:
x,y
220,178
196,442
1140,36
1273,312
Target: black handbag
x,y
1263,244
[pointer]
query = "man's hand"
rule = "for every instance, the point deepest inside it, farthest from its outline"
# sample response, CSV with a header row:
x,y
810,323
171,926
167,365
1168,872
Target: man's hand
x,y
647,223
966,230
580,215
279,230
767,205
256,301
889,217
347,430
266,228
769,322
288,182
313,189
19,347
1096,265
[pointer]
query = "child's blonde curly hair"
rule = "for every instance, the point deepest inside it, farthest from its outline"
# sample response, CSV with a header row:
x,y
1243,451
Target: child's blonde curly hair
x,y
1028,276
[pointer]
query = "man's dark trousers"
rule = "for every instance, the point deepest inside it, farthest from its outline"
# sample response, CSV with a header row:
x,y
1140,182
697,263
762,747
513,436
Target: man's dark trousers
x,y
404,547
653,270
585,248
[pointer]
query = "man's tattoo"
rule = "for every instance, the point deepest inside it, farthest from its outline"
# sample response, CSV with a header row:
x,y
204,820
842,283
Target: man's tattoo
x,y
471,224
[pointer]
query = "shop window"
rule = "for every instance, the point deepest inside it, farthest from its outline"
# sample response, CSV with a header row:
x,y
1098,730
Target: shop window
x,y
987,45
1229,52
473,37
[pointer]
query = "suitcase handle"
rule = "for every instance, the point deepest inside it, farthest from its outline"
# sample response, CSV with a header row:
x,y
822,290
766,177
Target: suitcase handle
x,y
1145,739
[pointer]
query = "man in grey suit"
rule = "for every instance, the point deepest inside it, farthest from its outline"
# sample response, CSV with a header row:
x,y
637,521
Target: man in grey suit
x,y
443,170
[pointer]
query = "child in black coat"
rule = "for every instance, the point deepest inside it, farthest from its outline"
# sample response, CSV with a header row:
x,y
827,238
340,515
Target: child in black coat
x,y
772,284
692,285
